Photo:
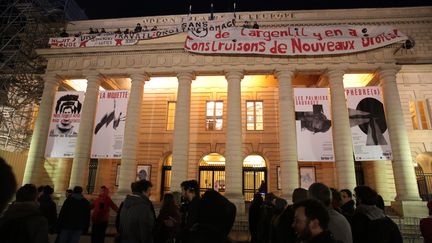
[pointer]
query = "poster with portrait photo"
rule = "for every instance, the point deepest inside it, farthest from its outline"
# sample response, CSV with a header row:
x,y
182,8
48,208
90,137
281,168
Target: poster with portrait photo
x,y
307,176
313,124
64,124
143,172
109,126
369,130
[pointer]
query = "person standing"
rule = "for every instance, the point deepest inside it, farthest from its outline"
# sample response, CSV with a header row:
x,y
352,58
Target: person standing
x,y
190,209
74,217
137,217
426,225
311,220
369,223
49,208
254,214
168,221
100,215
23,222
348,203
338,224
8,184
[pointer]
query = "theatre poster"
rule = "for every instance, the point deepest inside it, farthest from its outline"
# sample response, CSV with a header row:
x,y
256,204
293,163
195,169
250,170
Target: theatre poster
x,y
313,124
369,129
64,124
108,132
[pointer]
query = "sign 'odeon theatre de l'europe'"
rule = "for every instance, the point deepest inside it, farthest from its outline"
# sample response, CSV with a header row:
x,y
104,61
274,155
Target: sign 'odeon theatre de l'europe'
x,y
281,99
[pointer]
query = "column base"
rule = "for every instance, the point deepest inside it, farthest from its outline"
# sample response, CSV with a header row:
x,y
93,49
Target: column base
x,y
410,209
238,201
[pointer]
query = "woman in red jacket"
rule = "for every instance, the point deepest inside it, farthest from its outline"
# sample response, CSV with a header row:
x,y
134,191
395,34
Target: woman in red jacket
x,y
100,215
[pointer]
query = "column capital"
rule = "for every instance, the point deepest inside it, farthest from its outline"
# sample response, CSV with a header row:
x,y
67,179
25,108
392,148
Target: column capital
x,y
333,73
190,75
139,77
229,74
284,73
388,70
93,77
51,78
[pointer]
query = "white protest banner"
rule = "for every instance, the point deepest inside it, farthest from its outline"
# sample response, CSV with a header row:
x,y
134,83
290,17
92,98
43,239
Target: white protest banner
x,y
290,41
111,39
313,124
109,124
369,131
65,120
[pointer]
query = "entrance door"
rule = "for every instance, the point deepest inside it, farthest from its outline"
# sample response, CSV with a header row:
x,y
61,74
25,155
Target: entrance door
x,y
212,173
254,172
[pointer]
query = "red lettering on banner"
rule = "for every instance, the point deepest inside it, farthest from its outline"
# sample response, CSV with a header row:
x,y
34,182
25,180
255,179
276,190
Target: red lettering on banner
x,y
278,48
300,47
221,34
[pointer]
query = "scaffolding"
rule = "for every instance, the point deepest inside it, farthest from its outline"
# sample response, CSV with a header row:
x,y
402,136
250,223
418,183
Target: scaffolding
x,y
26,25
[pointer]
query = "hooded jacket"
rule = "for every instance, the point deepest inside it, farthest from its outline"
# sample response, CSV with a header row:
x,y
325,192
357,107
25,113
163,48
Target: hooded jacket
x,y
101,206
137,220
75,213
370,224
23,222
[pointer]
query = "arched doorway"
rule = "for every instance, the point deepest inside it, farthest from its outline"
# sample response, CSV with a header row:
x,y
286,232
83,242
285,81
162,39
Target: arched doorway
x,y
423,170
166,175
254,172
212,173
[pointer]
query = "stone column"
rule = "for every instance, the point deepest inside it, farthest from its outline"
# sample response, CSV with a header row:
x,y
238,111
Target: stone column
x,y
181,131
233,145
407,194
129,163
85,134
342,142
36,154
287,136
61,177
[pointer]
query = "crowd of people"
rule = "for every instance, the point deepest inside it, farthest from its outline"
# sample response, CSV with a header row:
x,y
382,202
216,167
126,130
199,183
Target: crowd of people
x,y
322,214
319,214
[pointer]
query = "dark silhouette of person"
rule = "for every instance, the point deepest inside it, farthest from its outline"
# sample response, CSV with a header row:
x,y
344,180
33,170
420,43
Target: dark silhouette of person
x,y
49,208
8,184
426,225
254,214
169,220
138,28
23,222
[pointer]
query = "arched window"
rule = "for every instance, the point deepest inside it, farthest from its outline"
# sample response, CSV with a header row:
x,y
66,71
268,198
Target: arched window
x,y
212,173
254,173
166,175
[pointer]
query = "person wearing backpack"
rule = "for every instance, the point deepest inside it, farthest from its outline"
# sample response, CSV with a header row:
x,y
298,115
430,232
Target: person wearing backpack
x,y
369,223
100,215
23,222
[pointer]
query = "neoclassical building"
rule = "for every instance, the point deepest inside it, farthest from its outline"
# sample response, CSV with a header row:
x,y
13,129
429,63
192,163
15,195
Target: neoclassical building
x,y
229,121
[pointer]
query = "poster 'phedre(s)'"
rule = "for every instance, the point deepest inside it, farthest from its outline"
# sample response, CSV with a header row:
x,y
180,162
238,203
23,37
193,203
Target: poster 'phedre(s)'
x,y
369,130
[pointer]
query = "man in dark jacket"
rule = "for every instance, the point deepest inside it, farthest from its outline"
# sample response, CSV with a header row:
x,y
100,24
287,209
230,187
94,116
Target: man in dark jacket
x,y
23,222
311,220
137,217
74,217
347,207
369,223
190,210
49,208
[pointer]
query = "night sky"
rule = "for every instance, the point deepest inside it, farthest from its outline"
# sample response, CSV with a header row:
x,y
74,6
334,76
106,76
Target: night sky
x,y
102,9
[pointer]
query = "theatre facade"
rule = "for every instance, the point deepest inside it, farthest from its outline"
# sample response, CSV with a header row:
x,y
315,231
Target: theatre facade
x,y
239,108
